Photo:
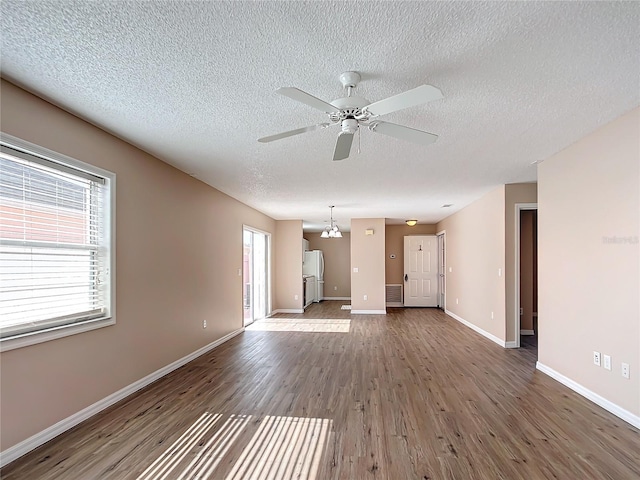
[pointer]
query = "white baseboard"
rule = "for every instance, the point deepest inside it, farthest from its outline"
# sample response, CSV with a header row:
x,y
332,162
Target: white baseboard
x,y
288,310
369,312
527,332
513,344
24,447
482,332
618,411
337,298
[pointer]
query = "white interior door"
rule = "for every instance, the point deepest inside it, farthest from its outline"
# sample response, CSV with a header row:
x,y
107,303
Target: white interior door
x,y
421,271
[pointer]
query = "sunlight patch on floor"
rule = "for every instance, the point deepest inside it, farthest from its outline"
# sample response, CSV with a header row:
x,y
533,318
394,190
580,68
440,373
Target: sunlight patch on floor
x,y
207,455
318,325
281,448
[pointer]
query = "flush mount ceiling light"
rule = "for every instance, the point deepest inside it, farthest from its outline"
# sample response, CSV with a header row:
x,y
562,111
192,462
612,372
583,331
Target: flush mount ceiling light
x,y
332,230
412,223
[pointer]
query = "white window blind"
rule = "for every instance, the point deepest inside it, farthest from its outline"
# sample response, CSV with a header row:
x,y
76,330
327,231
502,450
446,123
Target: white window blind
x,y
54,244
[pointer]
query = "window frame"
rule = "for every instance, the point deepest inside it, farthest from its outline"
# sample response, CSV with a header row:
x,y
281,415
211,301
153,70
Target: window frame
x,y
109,318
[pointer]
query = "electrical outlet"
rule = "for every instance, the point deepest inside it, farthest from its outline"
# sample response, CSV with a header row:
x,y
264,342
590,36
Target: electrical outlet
x,y
295,297
366,297
499,272
335,288
491,315
204,324
607,361
456,301
625,370
596,358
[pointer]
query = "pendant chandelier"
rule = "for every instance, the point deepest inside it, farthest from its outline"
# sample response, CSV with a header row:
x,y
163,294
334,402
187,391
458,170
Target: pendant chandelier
x,y
331,231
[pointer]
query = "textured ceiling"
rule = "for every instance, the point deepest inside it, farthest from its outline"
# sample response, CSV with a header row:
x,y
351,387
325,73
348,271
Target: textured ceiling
x,y
194,84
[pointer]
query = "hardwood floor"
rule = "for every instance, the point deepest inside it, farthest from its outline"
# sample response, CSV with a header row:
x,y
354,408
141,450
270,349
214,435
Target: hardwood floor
x,y
410,395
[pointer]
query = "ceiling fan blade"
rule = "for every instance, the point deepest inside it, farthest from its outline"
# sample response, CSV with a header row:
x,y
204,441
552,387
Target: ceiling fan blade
x,y
343,146
304,97
291,133
410,98
403,133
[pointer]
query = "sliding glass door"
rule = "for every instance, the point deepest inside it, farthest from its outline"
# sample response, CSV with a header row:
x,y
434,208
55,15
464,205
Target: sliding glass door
x,y
255,274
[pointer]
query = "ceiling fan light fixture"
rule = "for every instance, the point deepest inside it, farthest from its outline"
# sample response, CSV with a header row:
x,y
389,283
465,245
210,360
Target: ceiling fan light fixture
x,y
349,125
412,223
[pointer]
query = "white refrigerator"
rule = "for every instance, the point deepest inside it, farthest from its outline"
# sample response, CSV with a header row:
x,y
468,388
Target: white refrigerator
x,y
314,265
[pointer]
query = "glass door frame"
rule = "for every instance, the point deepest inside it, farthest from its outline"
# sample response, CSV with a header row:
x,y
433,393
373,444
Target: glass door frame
x,y
250,270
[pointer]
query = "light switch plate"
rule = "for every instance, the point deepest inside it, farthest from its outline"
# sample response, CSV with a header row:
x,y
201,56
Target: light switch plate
x,y
607,362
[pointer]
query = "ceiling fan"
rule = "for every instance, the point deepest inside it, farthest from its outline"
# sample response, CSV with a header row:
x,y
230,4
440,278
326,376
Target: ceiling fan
x,y
351,112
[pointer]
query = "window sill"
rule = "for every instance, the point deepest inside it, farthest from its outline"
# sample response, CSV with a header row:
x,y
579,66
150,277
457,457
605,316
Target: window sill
x,y
54,333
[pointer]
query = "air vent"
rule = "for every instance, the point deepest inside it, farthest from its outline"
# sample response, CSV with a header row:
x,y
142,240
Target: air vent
x,y
394,295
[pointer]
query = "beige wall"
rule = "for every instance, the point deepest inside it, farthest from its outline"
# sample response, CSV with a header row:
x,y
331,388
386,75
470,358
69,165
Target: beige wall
x,y
289,265
367,254
337,260
394,244
588,228
514,193
179,248
475,250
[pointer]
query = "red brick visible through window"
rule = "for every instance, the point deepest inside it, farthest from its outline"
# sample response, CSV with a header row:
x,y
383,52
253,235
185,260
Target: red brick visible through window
x,y
43,224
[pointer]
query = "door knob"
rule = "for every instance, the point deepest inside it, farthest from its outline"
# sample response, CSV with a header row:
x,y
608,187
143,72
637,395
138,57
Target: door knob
x,y
406,277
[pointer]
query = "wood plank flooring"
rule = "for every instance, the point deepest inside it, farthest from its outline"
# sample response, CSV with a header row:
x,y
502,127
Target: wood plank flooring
x,y
410,395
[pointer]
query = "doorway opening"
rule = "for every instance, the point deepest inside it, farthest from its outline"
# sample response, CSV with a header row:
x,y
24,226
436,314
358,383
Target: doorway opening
x,y
255,274
526,290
